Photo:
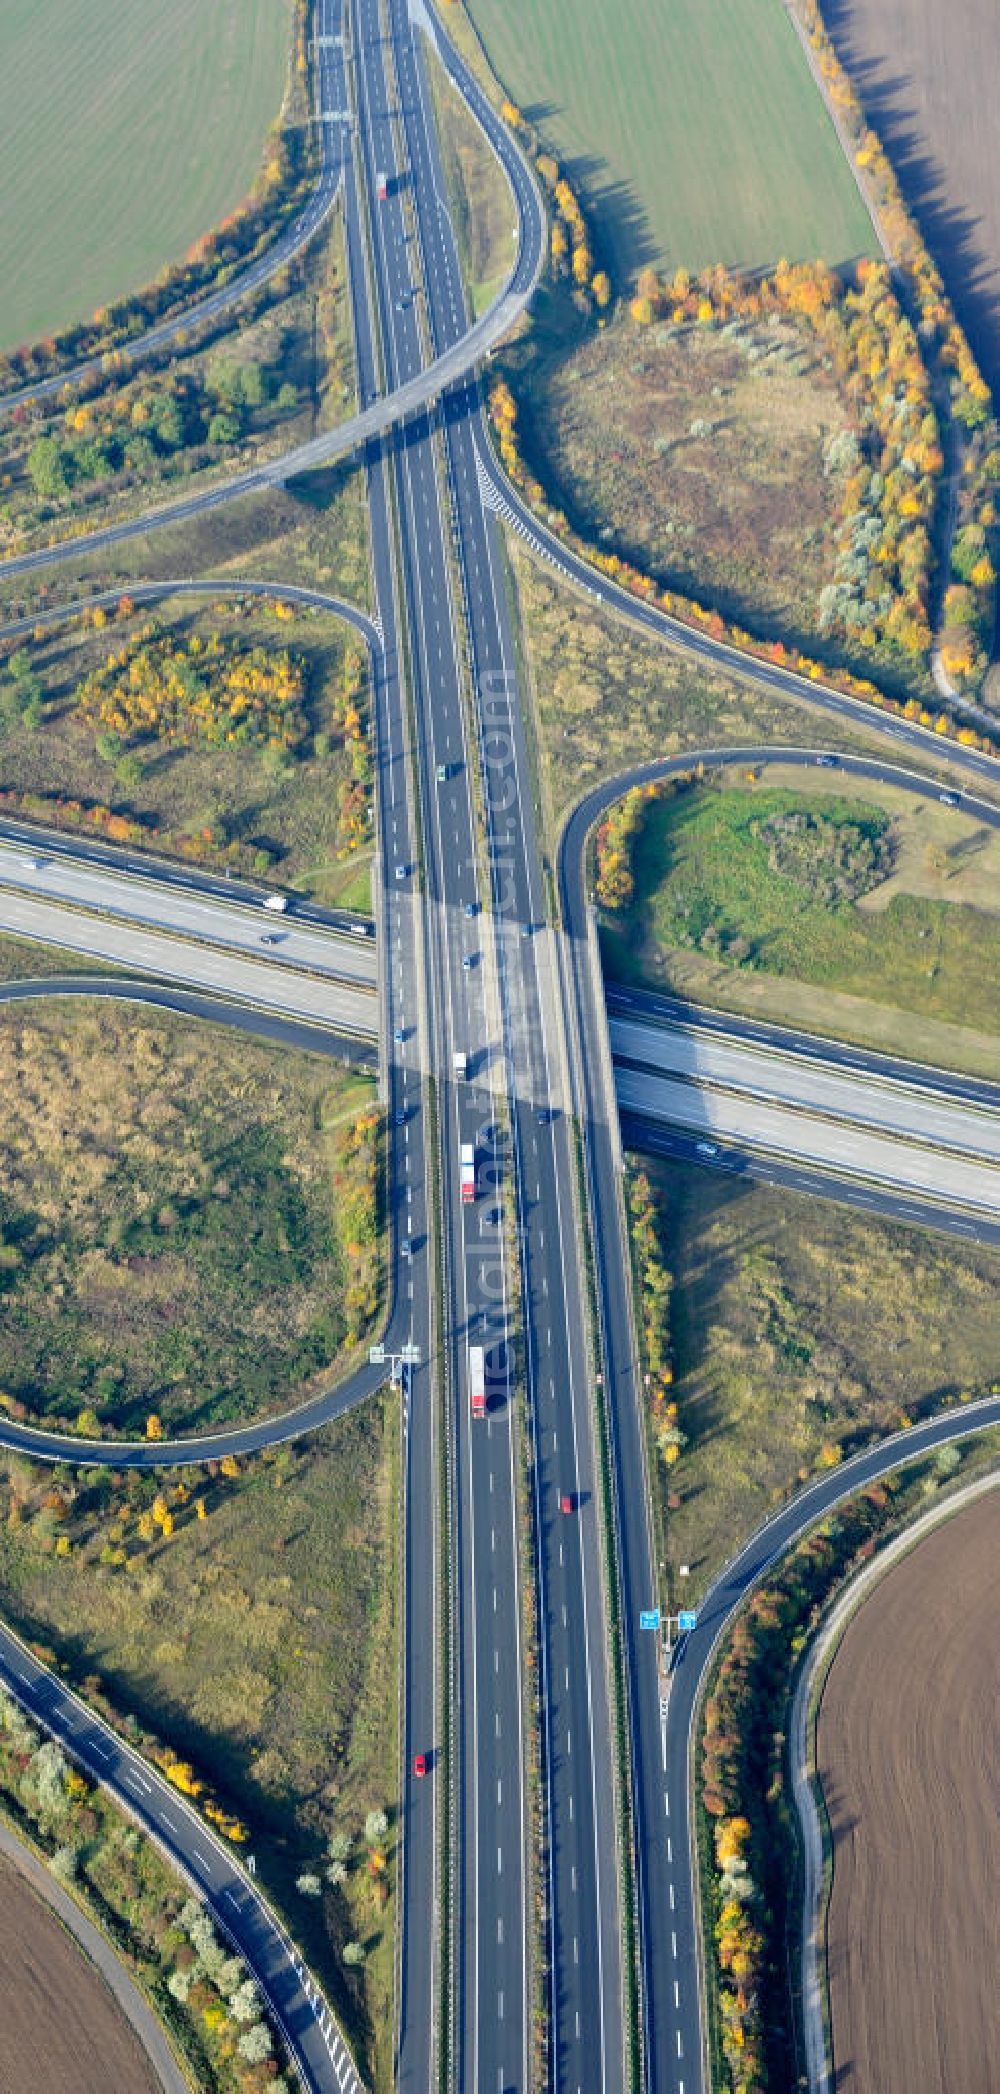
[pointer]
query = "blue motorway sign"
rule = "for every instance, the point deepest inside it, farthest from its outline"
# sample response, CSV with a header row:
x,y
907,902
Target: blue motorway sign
x,y
649,1618
686,1621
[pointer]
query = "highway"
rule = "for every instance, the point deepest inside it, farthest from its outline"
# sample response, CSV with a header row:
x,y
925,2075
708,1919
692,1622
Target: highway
x,y
189,1003
734,1160
653,1007
48,882
230,1895
321,1000
832,1144
467,343
481,1780
660,1726
530,1010
907,1105
582,1944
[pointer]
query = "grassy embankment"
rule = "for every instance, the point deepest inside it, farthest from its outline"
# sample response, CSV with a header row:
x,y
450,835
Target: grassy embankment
x,y
604,697
260,1641
732,909
190,1221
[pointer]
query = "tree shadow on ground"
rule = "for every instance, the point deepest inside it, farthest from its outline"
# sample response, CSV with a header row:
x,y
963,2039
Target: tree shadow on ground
x,y
955,235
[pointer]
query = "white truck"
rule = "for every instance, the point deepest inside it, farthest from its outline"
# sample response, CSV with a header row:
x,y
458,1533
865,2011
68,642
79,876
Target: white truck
x,y
460,1067
468,1172
477,1381
277,903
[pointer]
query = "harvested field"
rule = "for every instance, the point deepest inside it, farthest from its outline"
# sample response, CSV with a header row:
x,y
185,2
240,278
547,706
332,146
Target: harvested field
x,y
60,2028
906,1752
927,75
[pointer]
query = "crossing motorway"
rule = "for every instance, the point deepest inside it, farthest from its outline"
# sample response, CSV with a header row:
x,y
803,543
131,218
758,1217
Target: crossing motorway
x,y
906,1103
57,880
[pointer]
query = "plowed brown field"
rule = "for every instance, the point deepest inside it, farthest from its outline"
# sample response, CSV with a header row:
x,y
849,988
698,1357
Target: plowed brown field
x,y
60,2029
928,72
908,1755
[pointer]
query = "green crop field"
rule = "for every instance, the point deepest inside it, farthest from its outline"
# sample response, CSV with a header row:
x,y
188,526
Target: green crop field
x,y
125,132
693,127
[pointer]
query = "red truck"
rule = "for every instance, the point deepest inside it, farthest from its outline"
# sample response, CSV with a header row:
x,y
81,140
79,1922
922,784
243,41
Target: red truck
x,y
468,1172
381,186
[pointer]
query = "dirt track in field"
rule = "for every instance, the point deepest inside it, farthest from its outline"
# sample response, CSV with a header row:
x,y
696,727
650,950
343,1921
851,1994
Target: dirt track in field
x,y
908,1751
60,2029
928,72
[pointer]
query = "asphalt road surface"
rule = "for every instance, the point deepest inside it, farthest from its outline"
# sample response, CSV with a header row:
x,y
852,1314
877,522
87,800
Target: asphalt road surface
x,y
652,1007
161,905
710,1060
312,998
221,1881
435,1004
833,1144
655,1138
583,1935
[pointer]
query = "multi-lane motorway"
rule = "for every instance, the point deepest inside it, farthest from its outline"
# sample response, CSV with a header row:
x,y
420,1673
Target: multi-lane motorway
x,y
460,880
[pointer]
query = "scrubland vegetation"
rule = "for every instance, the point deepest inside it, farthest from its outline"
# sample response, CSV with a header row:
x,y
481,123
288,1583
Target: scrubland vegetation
x,y
184,730
232,391
190,1220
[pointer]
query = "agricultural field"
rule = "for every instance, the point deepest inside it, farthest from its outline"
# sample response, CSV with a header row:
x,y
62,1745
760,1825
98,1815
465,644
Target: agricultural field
x,y
872,915
246,1621
679,447
61,2028
125,133
905,1732
227,733
931,97
796,1327
695,134
189,1219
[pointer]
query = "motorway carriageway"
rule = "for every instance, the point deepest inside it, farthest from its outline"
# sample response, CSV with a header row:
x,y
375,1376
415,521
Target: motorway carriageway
x,y
711,1076
165,904
832,1145
314,999
710,1062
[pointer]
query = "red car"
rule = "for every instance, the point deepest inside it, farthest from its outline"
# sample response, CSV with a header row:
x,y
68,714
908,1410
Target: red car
x,y
420,1765
565,1502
